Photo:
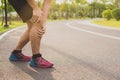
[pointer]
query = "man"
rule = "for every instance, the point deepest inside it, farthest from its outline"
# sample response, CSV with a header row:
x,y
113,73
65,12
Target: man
x,y
35,18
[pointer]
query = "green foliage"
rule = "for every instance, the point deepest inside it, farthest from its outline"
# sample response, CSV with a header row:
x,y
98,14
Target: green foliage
x,y
14,24
96,9
8,5
116,14
107,14
72,8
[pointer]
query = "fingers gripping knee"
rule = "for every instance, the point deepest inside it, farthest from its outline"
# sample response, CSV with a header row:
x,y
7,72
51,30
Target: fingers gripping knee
x,y
41,32
37,32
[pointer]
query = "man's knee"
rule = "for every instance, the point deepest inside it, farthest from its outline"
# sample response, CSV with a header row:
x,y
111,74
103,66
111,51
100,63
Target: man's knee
x,y
36,31
29,24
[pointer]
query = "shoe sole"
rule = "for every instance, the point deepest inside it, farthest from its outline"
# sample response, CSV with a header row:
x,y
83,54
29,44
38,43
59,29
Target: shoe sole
x,y
18,60
41,66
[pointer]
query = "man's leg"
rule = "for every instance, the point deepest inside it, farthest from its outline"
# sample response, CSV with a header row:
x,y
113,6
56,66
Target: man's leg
x,y
17,54
35,38
24,38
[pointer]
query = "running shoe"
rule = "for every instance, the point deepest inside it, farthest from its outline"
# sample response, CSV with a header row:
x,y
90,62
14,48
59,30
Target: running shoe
x,y
19,57
40,62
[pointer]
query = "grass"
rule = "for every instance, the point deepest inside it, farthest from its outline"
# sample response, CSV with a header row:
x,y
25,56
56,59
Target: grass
x,y
13,25
111,23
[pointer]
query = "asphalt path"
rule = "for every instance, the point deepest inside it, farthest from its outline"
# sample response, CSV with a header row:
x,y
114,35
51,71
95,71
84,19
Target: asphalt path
x,y
79,50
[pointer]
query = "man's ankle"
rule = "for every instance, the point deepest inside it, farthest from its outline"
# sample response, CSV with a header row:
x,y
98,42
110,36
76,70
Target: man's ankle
x,y
16,51
36,56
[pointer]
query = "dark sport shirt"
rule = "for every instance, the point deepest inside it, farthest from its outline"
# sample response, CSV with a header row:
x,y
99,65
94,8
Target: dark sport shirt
x,y
23,9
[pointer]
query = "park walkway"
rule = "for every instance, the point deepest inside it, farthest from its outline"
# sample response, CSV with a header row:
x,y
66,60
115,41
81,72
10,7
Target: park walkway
x,y
79,52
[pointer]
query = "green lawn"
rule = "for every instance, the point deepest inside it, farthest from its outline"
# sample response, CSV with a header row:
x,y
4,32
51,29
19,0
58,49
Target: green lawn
x,y
13,25
111,23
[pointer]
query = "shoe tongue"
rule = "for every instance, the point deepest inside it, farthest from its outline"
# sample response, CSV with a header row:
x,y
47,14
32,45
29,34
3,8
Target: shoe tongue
x,y
17,51
20,55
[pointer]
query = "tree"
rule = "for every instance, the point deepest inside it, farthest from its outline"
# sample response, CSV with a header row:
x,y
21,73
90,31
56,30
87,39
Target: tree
x,y
116,14
9,9
107,14
80,7
118,3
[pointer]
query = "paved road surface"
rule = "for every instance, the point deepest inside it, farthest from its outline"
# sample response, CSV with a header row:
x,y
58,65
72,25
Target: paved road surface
x,y
79,50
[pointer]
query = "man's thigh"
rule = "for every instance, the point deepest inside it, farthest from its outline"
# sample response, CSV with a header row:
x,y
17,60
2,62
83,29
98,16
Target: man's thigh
x,y
23,9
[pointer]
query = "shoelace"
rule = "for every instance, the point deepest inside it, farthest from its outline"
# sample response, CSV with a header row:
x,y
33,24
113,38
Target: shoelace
x,y
42,60
20,55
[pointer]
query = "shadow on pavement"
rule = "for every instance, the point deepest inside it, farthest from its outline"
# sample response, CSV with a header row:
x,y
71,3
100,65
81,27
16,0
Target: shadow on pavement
x,y
85,64
35,73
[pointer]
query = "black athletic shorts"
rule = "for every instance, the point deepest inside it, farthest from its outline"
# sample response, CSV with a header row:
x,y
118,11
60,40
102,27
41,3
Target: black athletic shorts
x,y
23,9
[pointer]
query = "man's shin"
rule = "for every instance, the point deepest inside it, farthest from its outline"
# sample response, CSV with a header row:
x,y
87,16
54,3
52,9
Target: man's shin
x,y
35,39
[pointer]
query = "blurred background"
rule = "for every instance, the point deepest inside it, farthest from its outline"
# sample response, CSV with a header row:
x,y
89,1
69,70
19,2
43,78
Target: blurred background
x,y
67,9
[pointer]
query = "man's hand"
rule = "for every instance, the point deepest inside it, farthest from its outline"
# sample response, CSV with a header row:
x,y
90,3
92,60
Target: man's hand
x,y
41,32
42,20
36,16
38,20
37,12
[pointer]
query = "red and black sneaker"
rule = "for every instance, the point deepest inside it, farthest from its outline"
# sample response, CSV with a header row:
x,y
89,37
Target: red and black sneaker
x,y
19,57
40,62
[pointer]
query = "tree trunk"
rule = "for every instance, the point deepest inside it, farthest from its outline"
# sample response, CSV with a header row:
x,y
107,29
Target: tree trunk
x,y
2,18
118,3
